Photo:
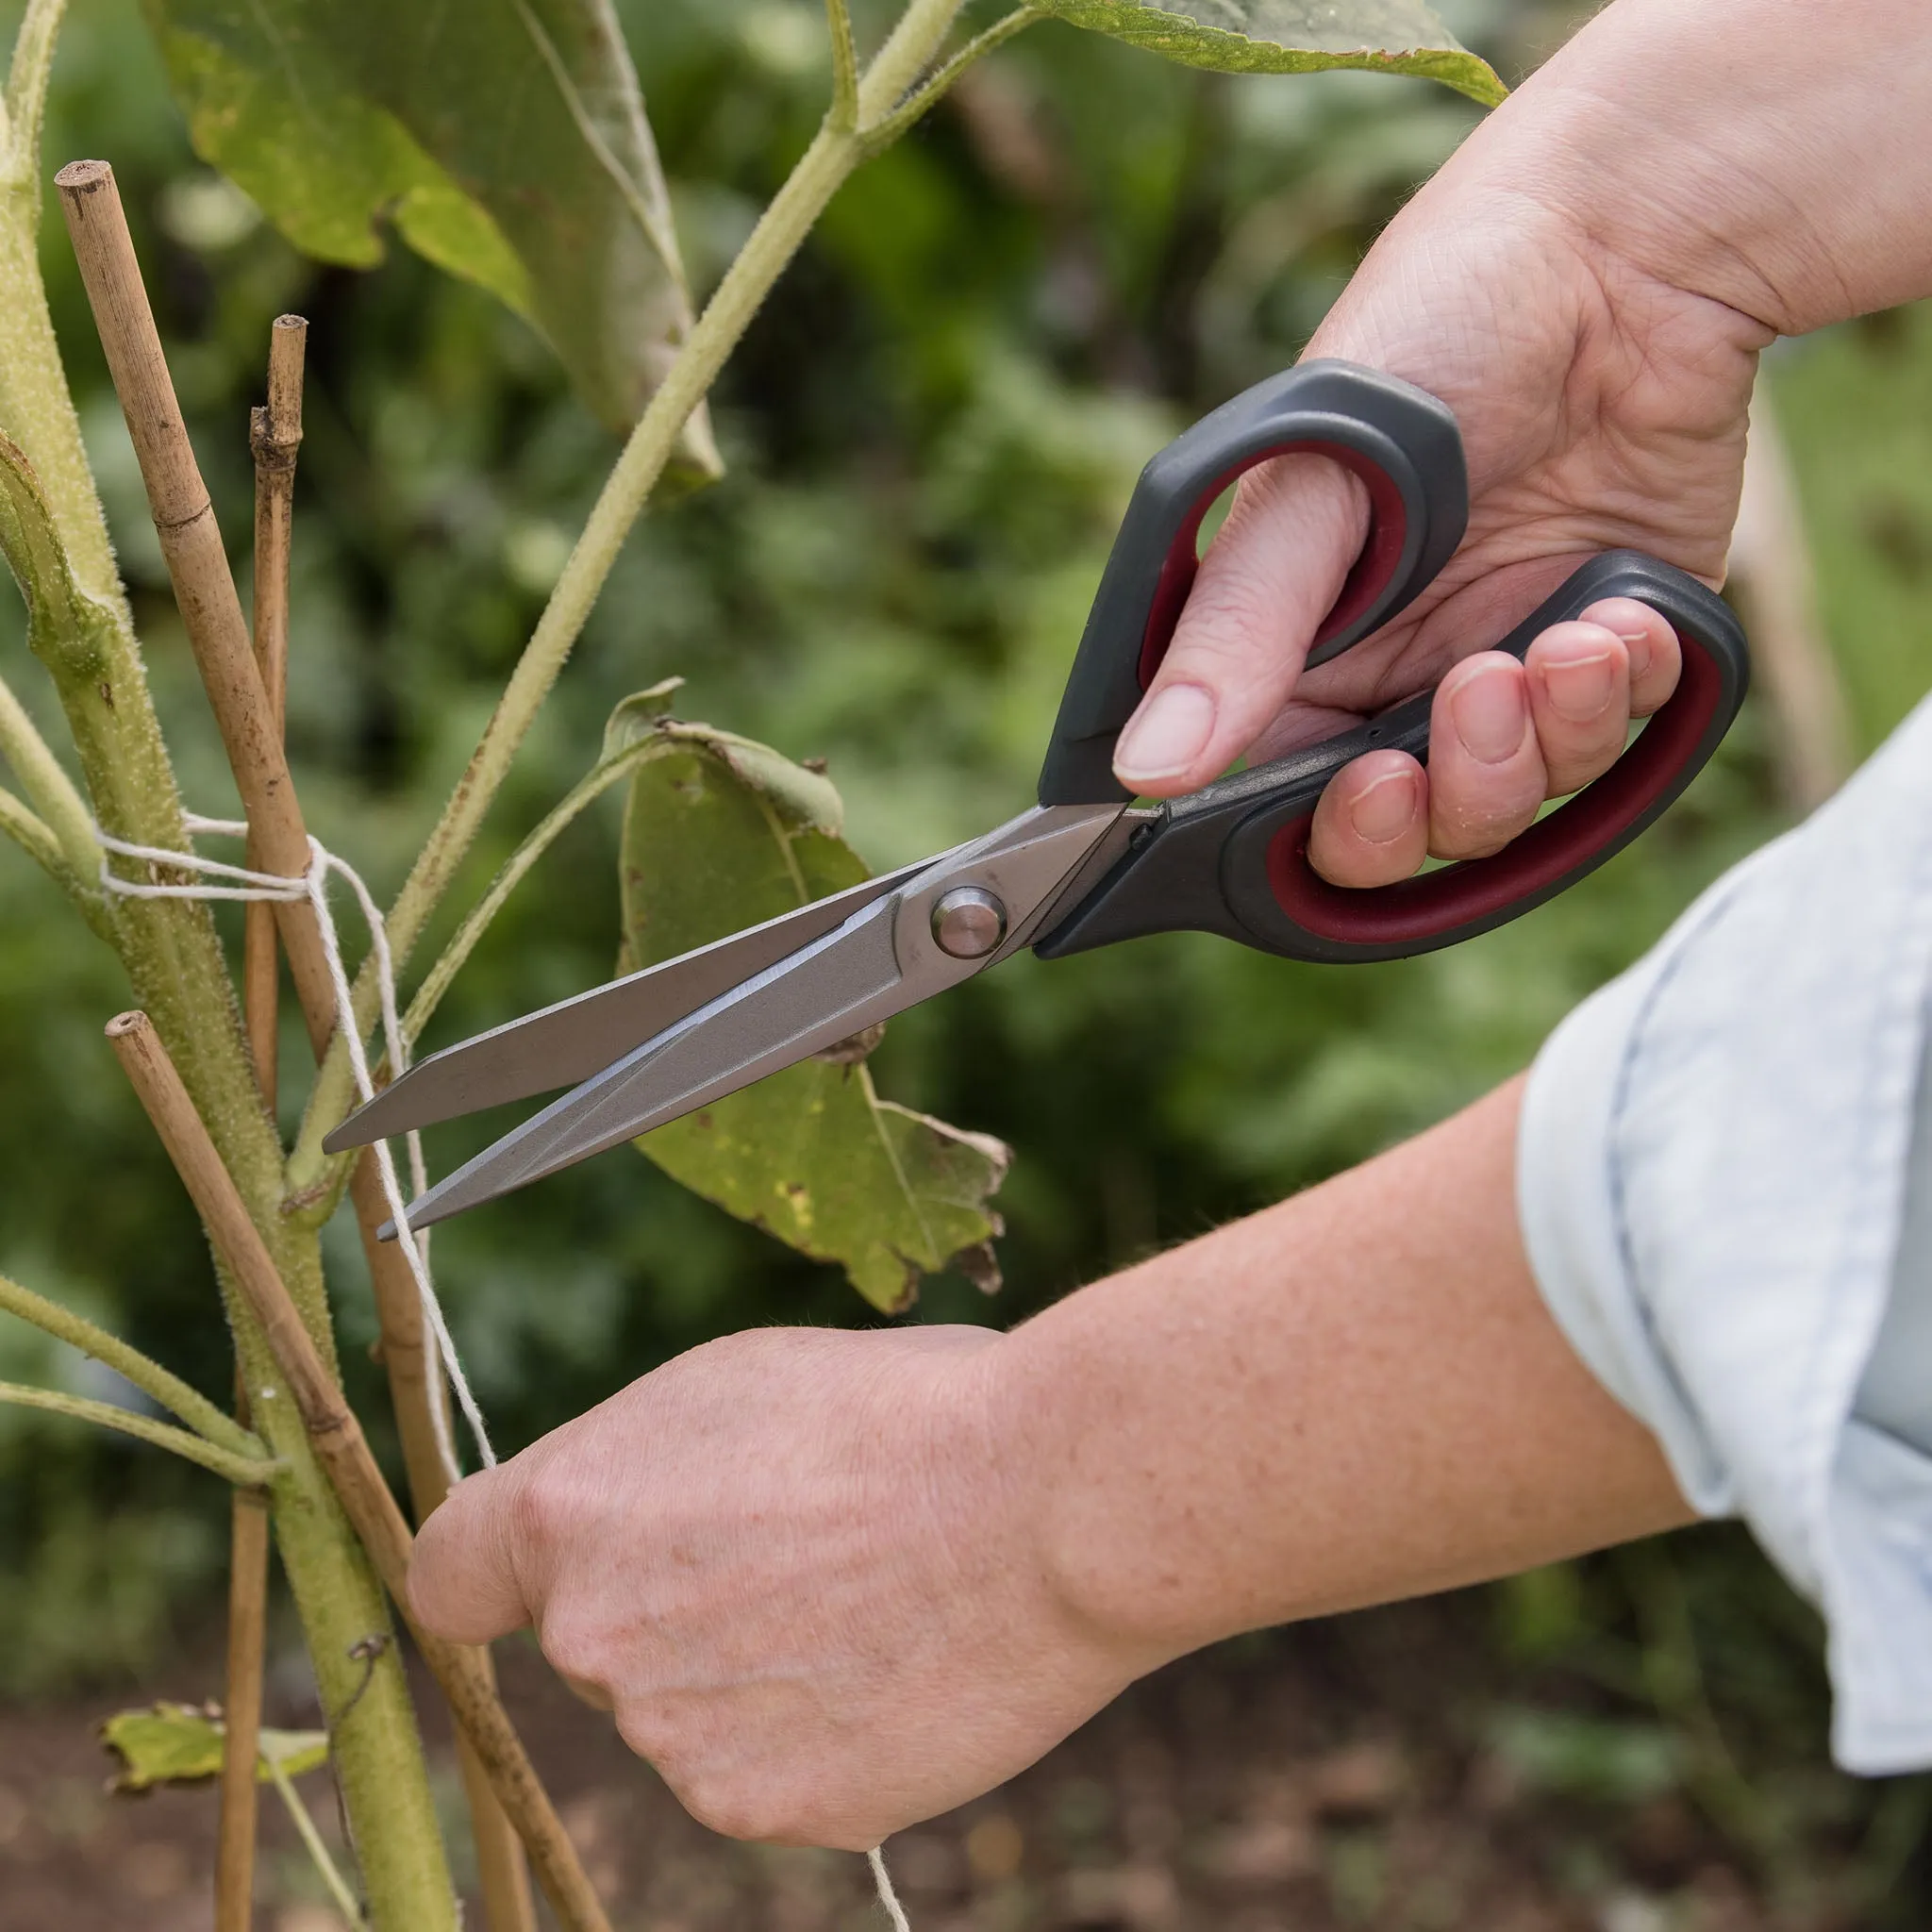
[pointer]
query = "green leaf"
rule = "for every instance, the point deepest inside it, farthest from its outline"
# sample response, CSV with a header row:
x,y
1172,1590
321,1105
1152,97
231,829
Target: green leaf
x,y
1293,36
719,833
505,141
182,1743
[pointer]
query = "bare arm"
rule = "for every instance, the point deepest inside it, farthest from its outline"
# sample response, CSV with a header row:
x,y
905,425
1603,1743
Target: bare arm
x,y
832,1583
1354,1396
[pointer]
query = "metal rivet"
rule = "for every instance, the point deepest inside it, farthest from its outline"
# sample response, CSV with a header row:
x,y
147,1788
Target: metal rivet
x,y
967,923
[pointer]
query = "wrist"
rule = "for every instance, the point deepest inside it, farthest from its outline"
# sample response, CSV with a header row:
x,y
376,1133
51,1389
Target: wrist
x,y
1086,1489
1787,185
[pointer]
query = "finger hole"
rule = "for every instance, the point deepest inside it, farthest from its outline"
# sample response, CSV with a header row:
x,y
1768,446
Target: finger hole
x,y
1371,825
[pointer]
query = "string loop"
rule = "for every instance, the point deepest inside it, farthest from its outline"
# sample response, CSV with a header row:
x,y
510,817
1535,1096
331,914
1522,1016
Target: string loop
x,y
217,879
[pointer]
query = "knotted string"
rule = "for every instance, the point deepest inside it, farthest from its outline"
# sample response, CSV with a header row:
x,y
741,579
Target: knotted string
x,y
241,883
220,880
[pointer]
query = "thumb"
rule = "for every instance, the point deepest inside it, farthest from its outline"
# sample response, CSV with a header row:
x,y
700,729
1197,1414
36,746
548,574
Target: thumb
x,y
462,1572
1270,575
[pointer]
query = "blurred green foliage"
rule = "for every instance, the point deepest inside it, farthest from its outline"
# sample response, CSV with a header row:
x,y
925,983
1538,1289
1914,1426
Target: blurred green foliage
x,y
929,432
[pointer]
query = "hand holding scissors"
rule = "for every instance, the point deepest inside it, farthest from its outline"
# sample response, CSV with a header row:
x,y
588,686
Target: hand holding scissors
x,y
1086,867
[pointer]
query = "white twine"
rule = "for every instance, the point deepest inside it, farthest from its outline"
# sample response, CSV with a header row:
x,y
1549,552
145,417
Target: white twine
x,y
887,1897
313,887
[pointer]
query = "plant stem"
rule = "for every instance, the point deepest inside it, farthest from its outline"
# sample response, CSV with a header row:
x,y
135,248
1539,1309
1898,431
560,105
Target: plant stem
x,y
253,1469
51,790
337,1886
845,112
86,638
245,712
330,1426
170,1391
26,86
882,134
821,171
451,960
36,839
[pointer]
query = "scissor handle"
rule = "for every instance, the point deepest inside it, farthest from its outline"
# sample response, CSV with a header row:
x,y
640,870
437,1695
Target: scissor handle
x,y
1234,857
1400,441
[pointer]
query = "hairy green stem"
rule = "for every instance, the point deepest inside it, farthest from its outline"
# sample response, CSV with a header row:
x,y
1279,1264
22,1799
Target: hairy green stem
x,y
33,836
26,84
53,794
249,1470
451,960
81,630
845,109
822,169
882,134
212,1424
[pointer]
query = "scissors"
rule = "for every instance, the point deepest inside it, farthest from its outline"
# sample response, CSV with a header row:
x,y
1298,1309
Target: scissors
x,y
1086,867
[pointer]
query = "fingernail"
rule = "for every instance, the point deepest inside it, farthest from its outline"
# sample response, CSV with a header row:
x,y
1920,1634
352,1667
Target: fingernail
x,y
1387,809
1579,688
1488,715
1637,643
1166,735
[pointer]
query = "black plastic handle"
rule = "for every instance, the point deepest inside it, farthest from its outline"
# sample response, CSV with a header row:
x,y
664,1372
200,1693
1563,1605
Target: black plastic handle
x,y
1233,858
1400,441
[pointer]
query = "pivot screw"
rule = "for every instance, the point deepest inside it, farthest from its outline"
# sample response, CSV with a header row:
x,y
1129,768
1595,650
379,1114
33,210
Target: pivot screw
x,y
967,923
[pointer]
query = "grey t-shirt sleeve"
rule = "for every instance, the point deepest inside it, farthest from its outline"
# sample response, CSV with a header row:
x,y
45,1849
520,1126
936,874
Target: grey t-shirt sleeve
x,y
1715,1180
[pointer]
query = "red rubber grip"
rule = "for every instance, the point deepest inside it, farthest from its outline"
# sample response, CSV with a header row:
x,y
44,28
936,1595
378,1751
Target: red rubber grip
x,y
1531,866
1380,555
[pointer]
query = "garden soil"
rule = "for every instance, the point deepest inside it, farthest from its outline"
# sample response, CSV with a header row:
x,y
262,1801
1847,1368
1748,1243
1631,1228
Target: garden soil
x,y
1328,1777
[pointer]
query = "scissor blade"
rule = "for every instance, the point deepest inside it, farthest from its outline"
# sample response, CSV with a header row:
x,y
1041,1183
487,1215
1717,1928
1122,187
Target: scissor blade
x,y
845,981
569,1042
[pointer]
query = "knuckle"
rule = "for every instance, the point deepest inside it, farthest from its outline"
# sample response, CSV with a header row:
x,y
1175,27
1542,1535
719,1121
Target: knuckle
x,y
651,1728
580,1648
553,1507
1229,622
720,1802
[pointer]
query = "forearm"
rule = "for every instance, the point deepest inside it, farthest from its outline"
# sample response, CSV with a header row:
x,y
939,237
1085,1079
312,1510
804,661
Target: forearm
x,y
1767,154
1354,1396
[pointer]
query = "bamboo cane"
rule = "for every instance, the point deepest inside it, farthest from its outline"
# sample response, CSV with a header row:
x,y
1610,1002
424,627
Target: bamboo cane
x,y
274,435
344,1452
211,612
242,1708
416,1386
198,564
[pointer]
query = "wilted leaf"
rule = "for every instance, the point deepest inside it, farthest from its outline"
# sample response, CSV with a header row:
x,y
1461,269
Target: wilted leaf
x,y
1293,36
721,833
504,139
179,1743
